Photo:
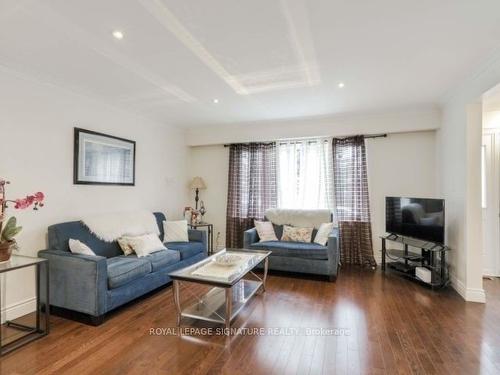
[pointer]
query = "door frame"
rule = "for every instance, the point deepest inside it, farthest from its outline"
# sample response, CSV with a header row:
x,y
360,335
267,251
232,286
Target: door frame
x,y
491,214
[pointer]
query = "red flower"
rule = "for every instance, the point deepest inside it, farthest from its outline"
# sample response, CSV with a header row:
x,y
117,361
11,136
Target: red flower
x,y
39,197
21,204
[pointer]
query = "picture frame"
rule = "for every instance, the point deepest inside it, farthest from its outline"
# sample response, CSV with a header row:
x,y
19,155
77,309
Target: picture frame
x,y
103,159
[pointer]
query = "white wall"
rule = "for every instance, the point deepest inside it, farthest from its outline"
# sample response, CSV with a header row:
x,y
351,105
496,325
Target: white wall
x,y
401,164
212,163
451,156
400,121
36,154
459,155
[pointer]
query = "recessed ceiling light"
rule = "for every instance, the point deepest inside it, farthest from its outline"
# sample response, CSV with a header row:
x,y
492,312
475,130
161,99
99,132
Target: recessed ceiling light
x,y
216,101
341,85
118,34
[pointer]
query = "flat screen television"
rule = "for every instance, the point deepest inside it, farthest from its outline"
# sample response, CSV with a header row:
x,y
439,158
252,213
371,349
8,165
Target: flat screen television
x,y
419,218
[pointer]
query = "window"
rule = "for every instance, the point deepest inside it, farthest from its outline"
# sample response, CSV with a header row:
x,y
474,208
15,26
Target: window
x,y
305,174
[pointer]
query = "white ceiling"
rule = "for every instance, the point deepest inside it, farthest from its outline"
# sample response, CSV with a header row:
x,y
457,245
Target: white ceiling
x,y
263,59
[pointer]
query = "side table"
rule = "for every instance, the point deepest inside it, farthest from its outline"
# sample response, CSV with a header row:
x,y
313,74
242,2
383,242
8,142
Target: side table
x,y
210,230
42,313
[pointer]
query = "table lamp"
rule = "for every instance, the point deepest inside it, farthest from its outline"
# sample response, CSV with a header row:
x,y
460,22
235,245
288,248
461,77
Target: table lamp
x,y
197,184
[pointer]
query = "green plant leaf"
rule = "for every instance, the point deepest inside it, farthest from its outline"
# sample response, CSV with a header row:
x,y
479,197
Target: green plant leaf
x,y
14,232
10,230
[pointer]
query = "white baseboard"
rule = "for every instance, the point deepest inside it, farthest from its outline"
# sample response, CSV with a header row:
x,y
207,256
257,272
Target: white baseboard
x,y
490,272
18,309
468,294
458,286
475,295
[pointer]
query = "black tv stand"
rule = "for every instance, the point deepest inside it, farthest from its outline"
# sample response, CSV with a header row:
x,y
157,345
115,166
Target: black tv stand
x,y
403,262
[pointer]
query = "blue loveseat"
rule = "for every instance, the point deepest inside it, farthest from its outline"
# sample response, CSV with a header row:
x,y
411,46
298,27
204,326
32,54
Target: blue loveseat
x,y
95,285
299,257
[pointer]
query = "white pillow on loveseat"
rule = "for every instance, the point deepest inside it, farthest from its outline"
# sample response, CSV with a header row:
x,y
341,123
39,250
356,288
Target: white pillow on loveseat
x,y
265,230
324,231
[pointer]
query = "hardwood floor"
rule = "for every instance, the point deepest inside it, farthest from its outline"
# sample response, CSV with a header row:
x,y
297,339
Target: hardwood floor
x,y
394,326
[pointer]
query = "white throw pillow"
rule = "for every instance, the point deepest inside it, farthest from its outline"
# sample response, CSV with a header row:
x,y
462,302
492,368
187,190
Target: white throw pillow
x,y
265,230
175,231
78,247
146,244
324,231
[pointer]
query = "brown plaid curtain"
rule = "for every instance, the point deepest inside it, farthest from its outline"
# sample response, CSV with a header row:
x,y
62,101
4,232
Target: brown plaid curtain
x,y
352,201
252,188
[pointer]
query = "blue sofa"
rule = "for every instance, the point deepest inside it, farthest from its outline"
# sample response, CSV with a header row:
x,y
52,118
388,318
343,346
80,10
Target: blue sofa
x,y
299,257
95,285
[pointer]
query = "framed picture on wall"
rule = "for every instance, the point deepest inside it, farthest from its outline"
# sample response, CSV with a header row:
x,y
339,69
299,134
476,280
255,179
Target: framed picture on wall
x,y
101,159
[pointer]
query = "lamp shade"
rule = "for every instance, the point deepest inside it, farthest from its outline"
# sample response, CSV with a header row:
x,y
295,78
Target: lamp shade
x,y
197,183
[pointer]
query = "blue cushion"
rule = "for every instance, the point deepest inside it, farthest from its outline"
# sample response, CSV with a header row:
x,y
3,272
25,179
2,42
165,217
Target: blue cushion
x,y
59,235
122,270
293,249
186,249
161,259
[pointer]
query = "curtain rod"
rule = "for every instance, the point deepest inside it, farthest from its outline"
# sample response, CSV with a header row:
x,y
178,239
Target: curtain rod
x,y
247,143
382,135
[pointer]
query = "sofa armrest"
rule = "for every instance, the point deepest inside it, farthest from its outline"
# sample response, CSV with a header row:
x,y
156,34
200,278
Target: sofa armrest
x,y
195,235
333,251
249,237
77,282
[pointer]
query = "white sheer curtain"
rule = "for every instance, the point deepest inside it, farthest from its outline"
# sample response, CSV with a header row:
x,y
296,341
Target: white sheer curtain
x,y
305,174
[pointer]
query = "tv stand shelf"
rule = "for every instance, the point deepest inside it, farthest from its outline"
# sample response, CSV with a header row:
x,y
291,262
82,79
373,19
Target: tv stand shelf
x,y
403,262
400,254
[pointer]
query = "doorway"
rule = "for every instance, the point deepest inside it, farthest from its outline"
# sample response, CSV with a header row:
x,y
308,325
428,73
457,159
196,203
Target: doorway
x,y
490,202
490,182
